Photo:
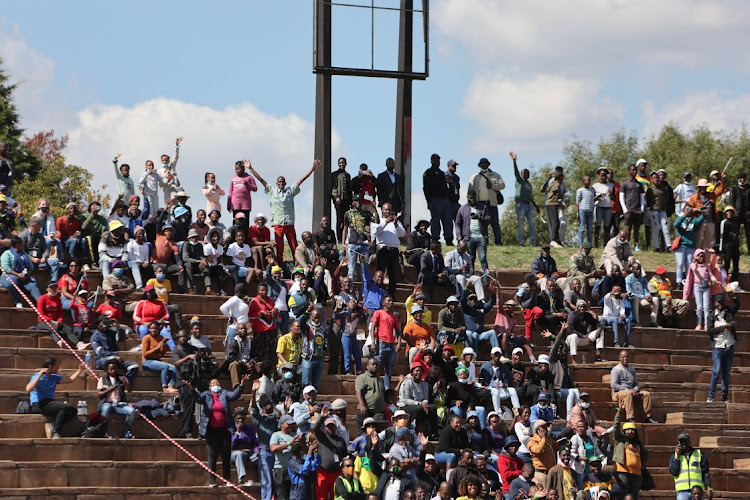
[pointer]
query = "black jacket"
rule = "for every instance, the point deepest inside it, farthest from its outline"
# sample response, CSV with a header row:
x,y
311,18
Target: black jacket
x,y
391,192
434,184
451,441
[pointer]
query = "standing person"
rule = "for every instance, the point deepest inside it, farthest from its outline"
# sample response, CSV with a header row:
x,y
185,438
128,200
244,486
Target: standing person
x,y
370,391
356,236
212,192
262,314
706,203
391,187
739,198
148,185
562,477
585,197
687,224
689,467
604,190
282,208
332,449
626,391
552,203
454,187
365,186
240,188
632,201
487,184
658,202
217,424
348,487
387,233
314,347
629,455
728,241
385,332
543,446
69,229
698,284
616,208
683,192
472,222
341,194
125,184
436,193
281,445
722,329
525,204
42,387
417,242
168,172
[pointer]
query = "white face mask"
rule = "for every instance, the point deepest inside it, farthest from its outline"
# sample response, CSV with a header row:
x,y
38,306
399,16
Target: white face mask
x,y
585,405
215,388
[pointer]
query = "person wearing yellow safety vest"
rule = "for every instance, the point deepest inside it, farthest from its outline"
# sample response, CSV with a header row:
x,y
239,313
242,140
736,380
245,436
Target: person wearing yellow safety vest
x,y
347,487
690,468
672,309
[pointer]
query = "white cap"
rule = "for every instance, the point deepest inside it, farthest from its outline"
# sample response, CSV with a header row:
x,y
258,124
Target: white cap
x,y
495,349
260,214
452,298
543,358
399,413
309,389
641,160
468,350
517,350
429,456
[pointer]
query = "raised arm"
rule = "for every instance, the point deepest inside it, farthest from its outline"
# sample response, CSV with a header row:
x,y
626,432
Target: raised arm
x,y
247,165
173,165
316,164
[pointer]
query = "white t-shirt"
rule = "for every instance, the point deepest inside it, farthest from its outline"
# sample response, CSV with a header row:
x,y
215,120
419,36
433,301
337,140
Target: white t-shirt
x,y
606,190
137,253
238,253
213,255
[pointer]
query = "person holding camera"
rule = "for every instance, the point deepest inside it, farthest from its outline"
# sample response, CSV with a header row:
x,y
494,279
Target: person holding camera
x,y
112,387
184,359
688,224
217,424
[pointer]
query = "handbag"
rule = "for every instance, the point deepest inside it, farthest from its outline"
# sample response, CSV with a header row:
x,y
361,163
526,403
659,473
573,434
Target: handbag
x,y
676,243
647,480
500,197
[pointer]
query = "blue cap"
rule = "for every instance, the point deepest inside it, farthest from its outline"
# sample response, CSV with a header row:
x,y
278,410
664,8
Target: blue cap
x,y
544,396
483,160
402,432
180,211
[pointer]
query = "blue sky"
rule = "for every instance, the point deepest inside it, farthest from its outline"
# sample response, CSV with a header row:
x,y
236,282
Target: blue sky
x,y
235,79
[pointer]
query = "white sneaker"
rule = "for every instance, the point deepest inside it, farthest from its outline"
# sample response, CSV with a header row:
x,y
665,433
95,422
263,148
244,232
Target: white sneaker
x,y
86,267
19,305
710,400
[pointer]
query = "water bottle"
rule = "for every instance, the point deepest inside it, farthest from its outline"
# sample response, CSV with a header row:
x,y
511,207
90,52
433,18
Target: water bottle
x,y
83,408
89,358
583,358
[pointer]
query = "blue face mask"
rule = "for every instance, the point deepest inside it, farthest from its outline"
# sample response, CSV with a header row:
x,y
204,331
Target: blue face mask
x,y
464,380
215,388
194,242
288,375
160,277
118,271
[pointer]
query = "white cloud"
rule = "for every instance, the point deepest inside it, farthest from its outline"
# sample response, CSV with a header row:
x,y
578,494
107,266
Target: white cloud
x,y
538,112
213,141
588,35
717,110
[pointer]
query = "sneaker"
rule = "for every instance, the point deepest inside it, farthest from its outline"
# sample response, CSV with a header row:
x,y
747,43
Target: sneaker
x,y
626,344
56,435
19,305
212,485
710,400
617,344
636,248
139,289
598,359
86,268
128,435
650,420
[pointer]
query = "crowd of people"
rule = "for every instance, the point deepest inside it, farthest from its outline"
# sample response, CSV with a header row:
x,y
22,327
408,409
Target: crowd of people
x,y
495,427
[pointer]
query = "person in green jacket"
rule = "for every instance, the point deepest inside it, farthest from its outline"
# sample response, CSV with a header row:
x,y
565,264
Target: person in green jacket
x,y
92,227
687,226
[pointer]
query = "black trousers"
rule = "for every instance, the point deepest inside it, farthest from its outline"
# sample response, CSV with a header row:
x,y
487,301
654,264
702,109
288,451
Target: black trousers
x,y
335,359
341,209
62,412
63,330
187,404
629,483
282,484
634,222
417,414
387,260
219,442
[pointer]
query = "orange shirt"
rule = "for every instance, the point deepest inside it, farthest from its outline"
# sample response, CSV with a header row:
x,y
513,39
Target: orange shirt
x,y
150,347
632,460
164,249
418,332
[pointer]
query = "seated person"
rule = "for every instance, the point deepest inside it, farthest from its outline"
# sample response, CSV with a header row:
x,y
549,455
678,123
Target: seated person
x,y
414,395
112,388
542,377
193,260
636,285
259,239
671,309
325,241
452,325
466,396
614,315
166,253
104,341
238,354
550,301
495,376
93,225
544,267
163,287
474,312
139,253
432,271
582,268
505,327
239,260
71,283
200,225
245,445
200,341
112,246
42,387
584,330
417,243
626,390
151,310
528,298
573,295
118,282
153,348
458,262
36,247
49,308
213,252
418,334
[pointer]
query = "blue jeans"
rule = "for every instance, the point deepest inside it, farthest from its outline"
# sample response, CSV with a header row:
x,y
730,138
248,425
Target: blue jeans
x,y
683,495
441,213
351,347
70,246
615,323
143,331
312,370
474,338
283,322
265,468
359,248
526,211
481,413
135,269
168,372
386,357
659,222
238,458
54,268
478,248
585,219
722,364
443,457
569,396
120,408
495,222
29,286
683,256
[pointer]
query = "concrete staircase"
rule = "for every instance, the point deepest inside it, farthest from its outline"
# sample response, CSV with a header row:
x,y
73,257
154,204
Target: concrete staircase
x,y
674,364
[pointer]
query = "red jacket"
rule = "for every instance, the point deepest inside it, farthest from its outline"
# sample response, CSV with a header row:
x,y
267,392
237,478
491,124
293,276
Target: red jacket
x,y
260,315
509,468
147,311
67,228
49,308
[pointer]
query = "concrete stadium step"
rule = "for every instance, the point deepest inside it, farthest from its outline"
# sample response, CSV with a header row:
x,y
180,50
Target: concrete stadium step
x,y
695,418
124,493
730,438
121,450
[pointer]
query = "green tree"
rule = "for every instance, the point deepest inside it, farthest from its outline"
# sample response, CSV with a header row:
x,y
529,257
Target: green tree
x,y
24,162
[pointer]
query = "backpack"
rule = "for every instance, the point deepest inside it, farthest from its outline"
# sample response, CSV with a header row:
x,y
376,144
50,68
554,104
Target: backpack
x,y
96,427
23,407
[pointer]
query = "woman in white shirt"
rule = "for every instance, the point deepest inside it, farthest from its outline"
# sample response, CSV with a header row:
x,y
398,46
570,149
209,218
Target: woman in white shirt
x,y
213,253
236,310
138,255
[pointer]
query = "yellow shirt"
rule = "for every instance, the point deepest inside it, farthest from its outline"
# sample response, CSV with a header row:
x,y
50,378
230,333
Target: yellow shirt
x,y
162,288
367,478
426,315
290,348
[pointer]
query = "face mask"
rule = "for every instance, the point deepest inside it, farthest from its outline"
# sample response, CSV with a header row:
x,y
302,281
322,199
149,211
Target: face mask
x,y
288,375
542,405
165,165
297,279
210,183
194,242
215,388
118,271
742,183
160,277
585,404
44,209
396,470
463,380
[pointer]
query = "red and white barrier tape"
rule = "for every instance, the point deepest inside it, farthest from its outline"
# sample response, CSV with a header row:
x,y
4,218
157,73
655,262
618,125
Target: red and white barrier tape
x,y
87,367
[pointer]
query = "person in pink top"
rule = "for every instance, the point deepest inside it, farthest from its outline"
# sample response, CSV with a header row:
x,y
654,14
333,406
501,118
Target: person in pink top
x,y
212,192
240,189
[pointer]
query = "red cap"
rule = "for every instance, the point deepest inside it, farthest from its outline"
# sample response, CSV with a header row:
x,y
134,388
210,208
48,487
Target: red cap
x,y
661,270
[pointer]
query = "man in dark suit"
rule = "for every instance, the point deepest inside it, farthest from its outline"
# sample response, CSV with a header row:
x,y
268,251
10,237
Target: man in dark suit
x,y
391,187
432,271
